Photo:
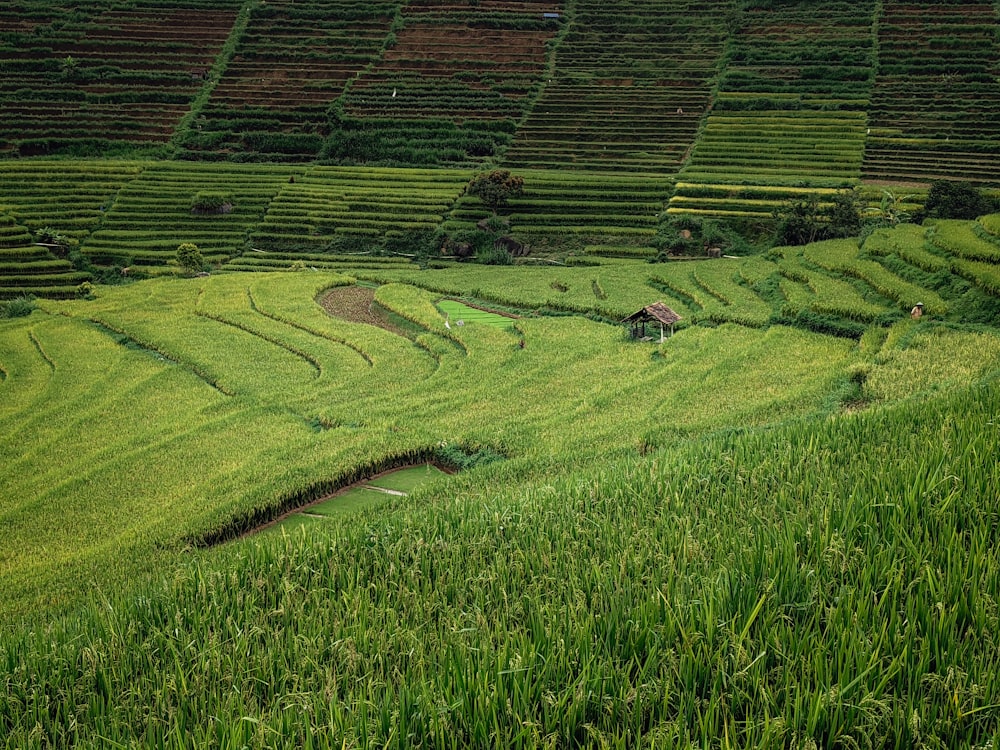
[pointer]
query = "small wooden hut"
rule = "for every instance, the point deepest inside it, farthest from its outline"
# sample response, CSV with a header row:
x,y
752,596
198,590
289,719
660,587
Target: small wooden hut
x,y
655,313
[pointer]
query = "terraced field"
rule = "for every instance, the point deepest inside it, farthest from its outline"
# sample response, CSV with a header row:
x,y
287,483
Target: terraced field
x,y
630,84
291,61
451,85
935,104
70,196
27,269
620,502
791,106
95,78
575,208
776,528
337,205
153,214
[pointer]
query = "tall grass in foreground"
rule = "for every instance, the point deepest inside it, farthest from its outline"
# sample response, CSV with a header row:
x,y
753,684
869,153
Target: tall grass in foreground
x,y
825,584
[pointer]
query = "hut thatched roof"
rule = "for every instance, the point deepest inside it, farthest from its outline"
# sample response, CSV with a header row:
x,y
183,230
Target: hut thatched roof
x,y
656,311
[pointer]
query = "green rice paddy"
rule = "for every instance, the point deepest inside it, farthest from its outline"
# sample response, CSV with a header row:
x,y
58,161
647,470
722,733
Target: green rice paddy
x,y
459,314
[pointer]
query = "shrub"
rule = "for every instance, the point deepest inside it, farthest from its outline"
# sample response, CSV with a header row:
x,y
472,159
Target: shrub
x,y
956,200
494,256
85,290
212,202
189,257
799,222
49,236
19,307
496,188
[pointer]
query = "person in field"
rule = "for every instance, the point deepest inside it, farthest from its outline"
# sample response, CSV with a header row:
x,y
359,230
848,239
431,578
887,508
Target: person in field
x,y
917,311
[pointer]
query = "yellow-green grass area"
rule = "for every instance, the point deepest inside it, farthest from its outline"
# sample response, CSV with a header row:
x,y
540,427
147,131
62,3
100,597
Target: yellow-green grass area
x,y
747,164
407,480
625,285
172,411
348,502
991,224
843,256
713,288
27,269
807,285
749,199
154,213
684,539
331,203
923,358
68,196
965,240
596,207
262,260
364,495
910,243
703,590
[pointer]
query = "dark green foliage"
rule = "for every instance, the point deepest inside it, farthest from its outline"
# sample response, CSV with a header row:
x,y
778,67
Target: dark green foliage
x,y
461,457
17,308
189,257
211,201
685,235
494,256
845,214
957,200
421,244
799,222
429,142
496,188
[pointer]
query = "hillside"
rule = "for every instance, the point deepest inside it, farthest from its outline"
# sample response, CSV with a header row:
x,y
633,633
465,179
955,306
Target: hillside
x,y
834,91
751,530
304,442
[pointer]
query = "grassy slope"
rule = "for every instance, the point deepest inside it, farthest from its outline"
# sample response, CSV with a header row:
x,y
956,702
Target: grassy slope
x,y
648,565
762,589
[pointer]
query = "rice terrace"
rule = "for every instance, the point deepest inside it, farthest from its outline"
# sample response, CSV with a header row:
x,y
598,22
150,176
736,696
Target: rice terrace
x,y
499,374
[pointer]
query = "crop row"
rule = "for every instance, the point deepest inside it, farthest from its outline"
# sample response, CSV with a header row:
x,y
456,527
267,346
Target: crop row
x,y
448,88
132,73
555,202
932,59
154,213
807,285
790,108
843,256
637,75
28,269
291,61
328,201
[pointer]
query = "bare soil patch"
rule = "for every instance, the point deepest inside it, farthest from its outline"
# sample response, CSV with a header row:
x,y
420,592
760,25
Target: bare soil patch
x,y
356,304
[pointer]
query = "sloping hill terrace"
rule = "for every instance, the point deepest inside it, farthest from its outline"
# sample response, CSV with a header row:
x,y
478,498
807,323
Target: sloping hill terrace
x,y
745,535
451,85
790,110
99,77
630,84
289,64
935,109
727,109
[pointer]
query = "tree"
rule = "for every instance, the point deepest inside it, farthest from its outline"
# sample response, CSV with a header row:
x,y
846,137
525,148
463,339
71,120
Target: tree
x,y
799,222
496,188
189,257
957,200
845,214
